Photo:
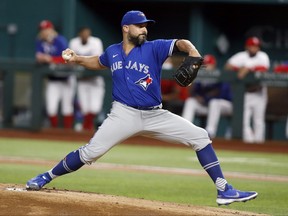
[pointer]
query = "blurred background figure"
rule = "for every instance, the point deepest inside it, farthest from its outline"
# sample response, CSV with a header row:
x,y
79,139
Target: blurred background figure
x,y
251,60
286,128
60,85
90,89
209,98
168,64
283,68
173,95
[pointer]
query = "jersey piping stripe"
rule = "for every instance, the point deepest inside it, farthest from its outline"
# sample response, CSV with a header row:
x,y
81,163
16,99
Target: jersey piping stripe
x,y
171,47
100,62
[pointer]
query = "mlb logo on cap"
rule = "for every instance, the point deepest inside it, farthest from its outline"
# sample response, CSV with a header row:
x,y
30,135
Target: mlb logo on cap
x,y
135,17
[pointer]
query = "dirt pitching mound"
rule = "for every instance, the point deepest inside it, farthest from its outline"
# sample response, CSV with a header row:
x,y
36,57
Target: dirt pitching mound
x,y
15,200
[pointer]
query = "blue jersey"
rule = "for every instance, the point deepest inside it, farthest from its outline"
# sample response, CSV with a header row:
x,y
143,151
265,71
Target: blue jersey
x,y
136,76
210,91
55,48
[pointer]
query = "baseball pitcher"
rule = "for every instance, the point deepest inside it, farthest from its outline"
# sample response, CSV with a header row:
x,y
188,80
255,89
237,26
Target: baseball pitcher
x,y
135,65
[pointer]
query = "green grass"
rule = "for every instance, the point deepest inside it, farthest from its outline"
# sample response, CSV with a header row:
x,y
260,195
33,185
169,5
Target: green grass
x,y
195,190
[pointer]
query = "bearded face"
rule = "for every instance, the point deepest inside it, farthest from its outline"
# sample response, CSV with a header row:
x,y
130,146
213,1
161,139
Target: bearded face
x,y
137,40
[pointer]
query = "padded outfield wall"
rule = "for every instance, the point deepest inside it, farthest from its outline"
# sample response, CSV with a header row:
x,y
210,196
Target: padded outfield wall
x,y
217,27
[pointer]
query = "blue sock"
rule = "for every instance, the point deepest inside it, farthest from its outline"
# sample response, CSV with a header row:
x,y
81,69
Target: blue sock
x,y
210,163
69,164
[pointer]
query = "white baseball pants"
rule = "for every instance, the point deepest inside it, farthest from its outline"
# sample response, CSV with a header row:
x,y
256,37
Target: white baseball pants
x,y
60,92
124,122
91,94
254,116
215,109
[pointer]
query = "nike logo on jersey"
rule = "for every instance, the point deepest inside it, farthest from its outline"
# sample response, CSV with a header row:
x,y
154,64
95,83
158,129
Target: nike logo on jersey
x,y
114,55
144,82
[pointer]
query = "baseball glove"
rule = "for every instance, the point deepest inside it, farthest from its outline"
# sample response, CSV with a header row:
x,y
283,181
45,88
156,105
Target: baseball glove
x,y
188,70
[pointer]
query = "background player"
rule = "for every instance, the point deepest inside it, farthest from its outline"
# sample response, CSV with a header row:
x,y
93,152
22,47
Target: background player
x,y
90,90
252,59
211,98
60,85
136,66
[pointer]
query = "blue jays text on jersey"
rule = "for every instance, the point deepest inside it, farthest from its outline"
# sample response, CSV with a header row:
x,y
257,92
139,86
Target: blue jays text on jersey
x,y
136,76
135,66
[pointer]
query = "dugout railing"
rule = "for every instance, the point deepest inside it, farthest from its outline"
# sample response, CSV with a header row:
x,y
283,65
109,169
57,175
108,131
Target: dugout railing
x,y
35,114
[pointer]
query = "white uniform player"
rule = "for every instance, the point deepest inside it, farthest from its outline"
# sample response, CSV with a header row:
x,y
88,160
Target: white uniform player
x,y
90,90
60,84
209,98
255,98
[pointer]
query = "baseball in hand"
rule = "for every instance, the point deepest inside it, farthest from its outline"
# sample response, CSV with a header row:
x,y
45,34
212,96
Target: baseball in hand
x,y
66,56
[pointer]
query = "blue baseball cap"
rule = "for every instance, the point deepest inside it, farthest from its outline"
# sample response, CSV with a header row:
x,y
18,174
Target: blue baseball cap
x,y
135,17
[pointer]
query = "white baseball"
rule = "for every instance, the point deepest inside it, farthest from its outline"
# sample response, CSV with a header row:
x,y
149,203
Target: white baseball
x,y
66,56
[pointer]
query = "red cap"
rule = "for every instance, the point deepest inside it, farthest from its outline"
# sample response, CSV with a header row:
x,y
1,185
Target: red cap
x,y
209,59
45,24
252,41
